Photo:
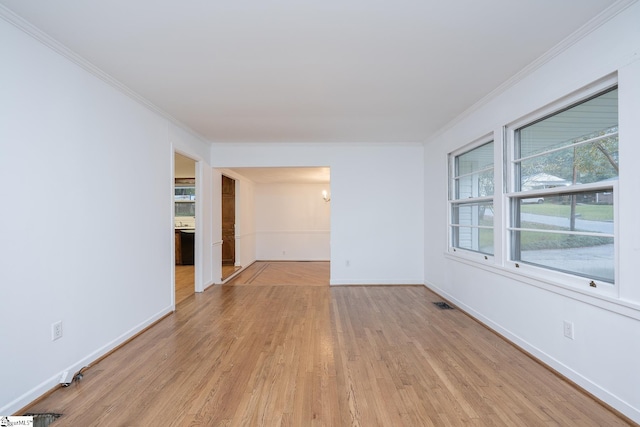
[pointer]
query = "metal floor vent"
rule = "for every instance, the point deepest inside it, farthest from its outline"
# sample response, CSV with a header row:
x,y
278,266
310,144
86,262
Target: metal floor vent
x,y
443,305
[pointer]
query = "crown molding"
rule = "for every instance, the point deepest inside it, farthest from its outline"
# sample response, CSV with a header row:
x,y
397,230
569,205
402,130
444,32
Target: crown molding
x,y
33,31
582,32
312,144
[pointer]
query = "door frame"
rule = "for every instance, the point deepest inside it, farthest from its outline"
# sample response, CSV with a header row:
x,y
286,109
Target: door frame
x,y
197,252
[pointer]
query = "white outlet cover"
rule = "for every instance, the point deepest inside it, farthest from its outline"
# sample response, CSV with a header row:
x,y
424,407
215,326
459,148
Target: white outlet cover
x,y
568,330
56,330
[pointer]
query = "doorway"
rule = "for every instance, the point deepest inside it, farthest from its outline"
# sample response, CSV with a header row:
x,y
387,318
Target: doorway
x,y
228,227
184,226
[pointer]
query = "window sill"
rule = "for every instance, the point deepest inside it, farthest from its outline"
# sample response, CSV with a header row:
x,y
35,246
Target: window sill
x,y
603,297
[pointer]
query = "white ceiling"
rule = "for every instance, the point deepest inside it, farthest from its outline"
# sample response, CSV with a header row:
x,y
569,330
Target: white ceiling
x,y
323,71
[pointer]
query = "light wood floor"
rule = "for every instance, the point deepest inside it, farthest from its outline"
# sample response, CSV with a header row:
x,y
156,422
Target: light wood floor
x,y
253,354
270,273
228,270
185,282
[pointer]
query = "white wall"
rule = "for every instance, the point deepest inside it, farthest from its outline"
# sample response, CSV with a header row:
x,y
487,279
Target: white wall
x,y
216,226
79,159
245,222
293,222
376,203
604,356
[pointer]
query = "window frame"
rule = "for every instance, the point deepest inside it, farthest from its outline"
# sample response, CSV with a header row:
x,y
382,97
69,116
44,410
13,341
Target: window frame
x,y
186,201
512,197
453,201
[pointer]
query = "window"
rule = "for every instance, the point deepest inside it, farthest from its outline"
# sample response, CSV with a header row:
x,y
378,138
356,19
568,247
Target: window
x,y
184,197
564,174
471,199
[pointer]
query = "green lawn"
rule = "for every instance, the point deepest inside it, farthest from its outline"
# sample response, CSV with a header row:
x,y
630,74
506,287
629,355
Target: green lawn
x,y
531,240
587,212
536,241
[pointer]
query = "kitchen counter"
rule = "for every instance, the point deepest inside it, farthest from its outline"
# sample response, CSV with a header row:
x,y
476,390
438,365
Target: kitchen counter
x,y
184,245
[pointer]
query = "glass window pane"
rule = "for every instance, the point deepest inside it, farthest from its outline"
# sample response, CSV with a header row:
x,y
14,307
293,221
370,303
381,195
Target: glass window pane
x,y
185,209
474,239
471,216
587,256
475,160
475,185
185,193
591,118
473,177
594,162
586,211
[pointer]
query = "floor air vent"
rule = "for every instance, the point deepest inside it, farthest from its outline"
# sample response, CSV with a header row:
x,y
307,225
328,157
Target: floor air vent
x,y
443,305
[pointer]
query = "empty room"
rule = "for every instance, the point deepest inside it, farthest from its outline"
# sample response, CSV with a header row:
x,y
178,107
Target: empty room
x,y
395,213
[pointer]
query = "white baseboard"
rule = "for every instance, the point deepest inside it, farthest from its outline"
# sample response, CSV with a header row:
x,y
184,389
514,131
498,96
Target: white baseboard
x,y
588,385
54,380
208,284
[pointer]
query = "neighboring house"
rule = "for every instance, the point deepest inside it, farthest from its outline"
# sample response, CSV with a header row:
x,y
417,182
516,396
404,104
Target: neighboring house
x,y
541,181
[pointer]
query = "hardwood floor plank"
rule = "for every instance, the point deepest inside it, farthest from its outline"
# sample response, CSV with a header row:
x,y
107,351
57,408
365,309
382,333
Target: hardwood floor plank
x,y
272,273
185,282
269,350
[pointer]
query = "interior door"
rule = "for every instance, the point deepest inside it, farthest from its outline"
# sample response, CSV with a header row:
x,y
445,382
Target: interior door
x,y
228,221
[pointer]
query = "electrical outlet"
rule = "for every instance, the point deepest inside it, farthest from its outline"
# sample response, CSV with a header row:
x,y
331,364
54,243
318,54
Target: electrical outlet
x,y
568,329
56,330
